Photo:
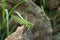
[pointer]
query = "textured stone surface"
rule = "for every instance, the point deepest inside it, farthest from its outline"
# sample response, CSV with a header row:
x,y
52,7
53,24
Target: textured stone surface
x,y
20,34
53,4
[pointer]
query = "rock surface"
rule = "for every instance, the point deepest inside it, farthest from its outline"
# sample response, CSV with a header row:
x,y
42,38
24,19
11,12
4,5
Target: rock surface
x,y
20,34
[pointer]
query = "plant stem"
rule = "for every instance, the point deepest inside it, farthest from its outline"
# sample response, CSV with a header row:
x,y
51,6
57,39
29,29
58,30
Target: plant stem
x,y
3,11
7,19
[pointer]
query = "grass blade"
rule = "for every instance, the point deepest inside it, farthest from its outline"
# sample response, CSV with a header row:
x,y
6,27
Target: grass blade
x,y
3,12
7,19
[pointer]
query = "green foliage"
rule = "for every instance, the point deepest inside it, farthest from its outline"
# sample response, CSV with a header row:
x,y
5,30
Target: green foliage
x,y
3,12
7,22
57,36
